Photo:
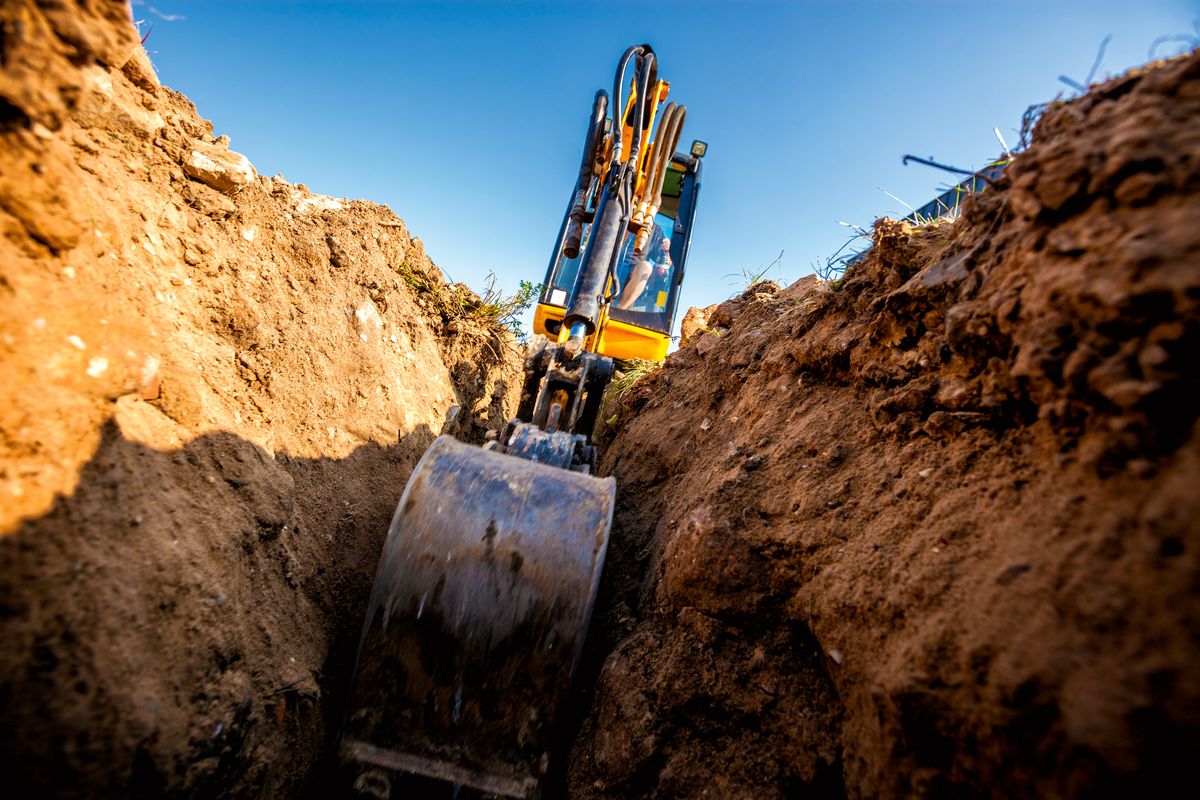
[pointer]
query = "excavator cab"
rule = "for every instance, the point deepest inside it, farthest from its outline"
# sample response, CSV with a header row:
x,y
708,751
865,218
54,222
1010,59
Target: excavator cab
x,y
638,323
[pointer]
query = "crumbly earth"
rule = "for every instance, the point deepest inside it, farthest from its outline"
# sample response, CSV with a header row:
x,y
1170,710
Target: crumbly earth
x,y
932,530
214,387
929,531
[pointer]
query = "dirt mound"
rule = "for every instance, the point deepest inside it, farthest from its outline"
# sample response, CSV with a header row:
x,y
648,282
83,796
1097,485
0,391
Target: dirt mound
x,y
932,530
215,386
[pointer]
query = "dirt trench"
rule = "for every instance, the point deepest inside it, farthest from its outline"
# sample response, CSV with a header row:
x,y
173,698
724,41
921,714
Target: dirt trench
x,y
215,385
931,530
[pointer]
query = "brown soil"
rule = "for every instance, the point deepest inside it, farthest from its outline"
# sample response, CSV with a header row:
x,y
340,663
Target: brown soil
x,y
928,531
214,387
931,531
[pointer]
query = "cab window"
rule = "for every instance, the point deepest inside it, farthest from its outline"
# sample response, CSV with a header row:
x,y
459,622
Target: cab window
x,y
645,282
644,279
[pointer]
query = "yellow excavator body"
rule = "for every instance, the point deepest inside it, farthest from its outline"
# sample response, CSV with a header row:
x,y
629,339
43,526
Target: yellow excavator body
x,y
490,569
622,341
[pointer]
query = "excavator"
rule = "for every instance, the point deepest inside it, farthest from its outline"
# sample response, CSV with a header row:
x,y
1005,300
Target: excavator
x,y
485,586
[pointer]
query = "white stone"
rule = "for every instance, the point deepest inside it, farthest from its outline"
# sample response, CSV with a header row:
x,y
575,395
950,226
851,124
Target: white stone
x,y
367,321
223,170
315,202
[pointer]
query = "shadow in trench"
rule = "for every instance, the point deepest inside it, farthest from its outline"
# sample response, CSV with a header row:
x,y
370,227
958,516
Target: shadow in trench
x,y
184,623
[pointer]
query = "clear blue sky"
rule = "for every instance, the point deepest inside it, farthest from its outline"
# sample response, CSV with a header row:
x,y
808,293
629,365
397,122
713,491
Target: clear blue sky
x,y
467,118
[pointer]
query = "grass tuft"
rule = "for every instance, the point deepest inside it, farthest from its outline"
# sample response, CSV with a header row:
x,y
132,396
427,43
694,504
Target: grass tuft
x,y
751,278
622,383
495,307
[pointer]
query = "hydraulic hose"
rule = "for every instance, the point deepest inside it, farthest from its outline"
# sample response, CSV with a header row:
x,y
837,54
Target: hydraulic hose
x,y
647,75
613,209
652,164
668,152
618,107
574,233
669,130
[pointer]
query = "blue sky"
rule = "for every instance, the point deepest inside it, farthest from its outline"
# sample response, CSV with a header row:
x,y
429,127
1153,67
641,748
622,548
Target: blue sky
x,y
467,118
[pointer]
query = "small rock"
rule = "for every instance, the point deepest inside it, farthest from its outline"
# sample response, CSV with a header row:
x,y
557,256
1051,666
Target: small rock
x,y
317,202
367,322
148,383
835,655
925,473
1141,467
1128,394
97,366
76,342
705,425
705,342
695,320
451,417
223,170
140,71
338,255
1140,188
207,201
1009,574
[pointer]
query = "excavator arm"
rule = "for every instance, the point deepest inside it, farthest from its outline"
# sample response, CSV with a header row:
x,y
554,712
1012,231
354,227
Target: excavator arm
x,y
485,587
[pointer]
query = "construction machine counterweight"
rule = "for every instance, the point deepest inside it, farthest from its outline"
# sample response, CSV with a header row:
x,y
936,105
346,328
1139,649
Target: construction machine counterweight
x,y
485,587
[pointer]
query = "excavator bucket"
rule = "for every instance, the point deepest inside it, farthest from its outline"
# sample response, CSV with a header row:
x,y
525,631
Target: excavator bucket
x,y
476,620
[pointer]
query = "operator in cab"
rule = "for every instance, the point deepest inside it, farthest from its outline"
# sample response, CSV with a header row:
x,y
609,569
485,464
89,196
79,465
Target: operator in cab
x,y
649,278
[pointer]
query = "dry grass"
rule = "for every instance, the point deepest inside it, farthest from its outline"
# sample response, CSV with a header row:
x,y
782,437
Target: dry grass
x,y
621,384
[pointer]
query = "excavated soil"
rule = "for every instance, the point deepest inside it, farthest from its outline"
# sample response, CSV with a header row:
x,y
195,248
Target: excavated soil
x,y
932,530
215,385
927,531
